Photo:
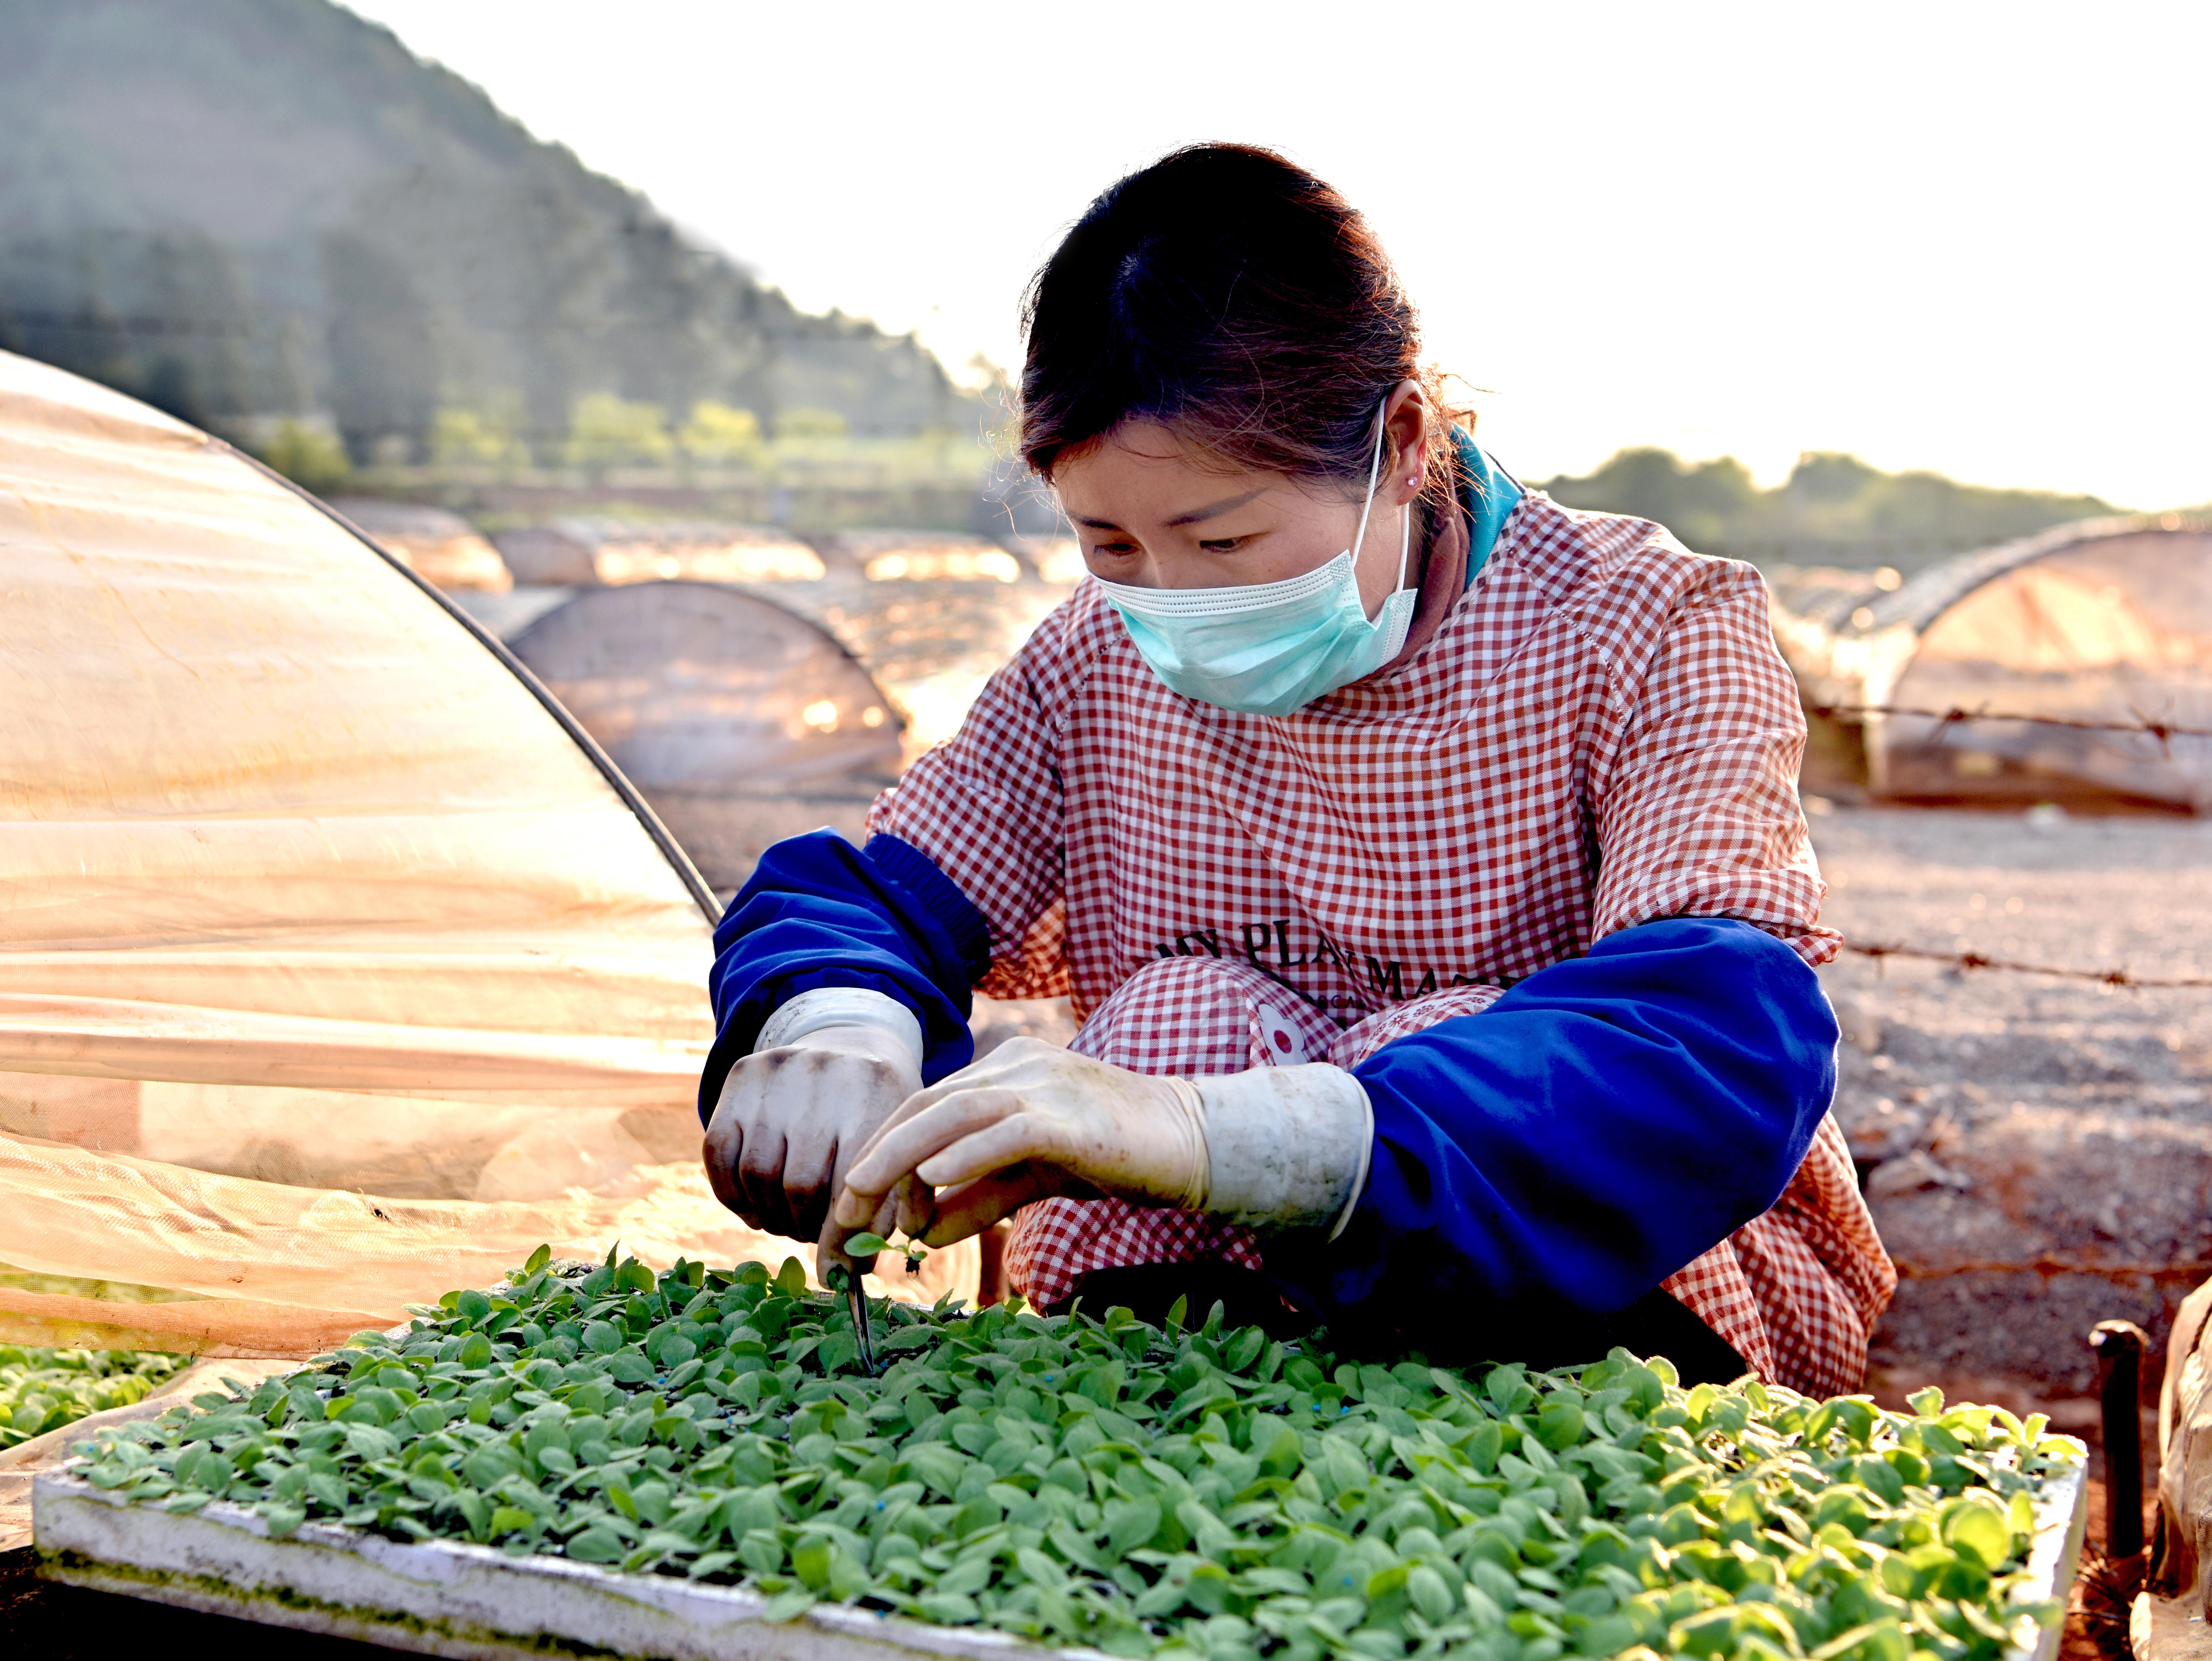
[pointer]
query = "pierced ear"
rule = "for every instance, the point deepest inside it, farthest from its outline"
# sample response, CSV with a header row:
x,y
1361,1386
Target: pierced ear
x,y
1419,476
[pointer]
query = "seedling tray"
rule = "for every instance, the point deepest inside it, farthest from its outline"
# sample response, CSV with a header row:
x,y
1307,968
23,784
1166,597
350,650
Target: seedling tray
x,y
1713,1480
448,1598
443,1598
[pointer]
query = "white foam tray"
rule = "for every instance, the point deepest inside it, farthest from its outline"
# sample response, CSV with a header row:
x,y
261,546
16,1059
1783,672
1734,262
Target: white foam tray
x,y
2062,1516
448,1598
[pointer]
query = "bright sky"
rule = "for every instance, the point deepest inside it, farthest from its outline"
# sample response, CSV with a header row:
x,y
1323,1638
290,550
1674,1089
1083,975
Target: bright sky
x,y
1969,237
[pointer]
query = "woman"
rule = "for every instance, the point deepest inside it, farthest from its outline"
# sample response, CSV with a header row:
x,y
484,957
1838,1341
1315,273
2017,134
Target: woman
x,y
1424,861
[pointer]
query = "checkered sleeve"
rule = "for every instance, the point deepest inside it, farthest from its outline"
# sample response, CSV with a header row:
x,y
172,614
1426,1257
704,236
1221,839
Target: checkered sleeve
x,y
1696,794
985,807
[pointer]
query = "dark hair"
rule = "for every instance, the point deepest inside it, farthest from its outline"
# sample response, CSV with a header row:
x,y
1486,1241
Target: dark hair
x,y
1231,296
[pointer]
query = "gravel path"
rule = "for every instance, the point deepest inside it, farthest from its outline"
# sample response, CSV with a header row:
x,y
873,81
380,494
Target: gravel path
x,y
2038,1151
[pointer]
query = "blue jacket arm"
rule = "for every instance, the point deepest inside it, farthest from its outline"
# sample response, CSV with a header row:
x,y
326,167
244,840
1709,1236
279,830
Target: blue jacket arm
x,y
1605,1122
816,911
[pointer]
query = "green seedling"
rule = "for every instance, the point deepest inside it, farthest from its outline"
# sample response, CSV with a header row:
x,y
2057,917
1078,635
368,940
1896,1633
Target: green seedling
x,y
1201,1493
868,1245
43,1390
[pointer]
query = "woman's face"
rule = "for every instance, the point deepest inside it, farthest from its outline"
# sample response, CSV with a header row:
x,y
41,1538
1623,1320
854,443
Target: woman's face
x,y
1154,513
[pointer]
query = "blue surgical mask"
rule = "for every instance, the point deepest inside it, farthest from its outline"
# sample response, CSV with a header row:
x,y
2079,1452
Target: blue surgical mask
x,y
1268,648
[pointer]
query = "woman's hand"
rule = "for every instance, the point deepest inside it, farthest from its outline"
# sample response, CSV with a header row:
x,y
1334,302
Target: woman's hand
x,y
1029,1120
793,1119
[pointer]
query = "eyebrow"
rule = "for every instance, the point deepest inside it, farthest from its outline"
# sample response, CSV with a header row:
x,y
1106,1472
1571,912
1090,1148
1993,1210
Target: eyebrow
x,y
1197,515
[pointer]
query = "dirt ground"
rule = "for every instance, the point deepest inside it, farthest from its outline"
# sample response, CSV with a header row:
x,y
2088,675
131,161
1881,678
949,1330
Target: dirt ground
x,y
2097,1607
2037,1150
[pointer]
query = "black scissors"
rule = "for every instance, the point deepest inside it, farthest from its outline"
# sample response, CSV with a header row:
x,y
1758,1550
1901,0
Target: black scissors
x,y
856,1297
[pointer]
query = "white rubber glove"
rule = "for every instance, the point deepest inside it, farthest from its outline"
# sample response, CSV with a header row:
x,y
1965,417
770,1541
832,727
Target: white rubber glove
x,y
1276,1148
829,1067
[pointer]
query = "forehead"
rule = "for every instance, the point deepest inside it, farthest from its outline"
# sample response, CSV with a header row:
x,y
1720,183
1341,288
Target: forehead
x,y
1145,470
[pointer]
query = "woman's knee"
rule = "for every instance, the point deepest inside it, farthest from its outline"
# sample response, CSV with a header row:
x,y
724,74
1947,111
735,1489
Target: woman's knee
x,y
1202,1015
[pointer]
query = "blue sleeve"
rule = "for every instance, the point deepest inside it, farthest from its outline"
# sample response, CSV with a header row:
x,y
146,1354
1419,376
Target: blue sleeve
x,y
1602,1124
818,911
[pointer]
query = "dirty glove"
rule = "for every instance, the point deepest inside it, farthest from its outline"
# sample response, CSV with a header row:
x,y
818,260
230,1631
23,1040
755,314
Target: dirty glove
x,y
1275,1149
828,1067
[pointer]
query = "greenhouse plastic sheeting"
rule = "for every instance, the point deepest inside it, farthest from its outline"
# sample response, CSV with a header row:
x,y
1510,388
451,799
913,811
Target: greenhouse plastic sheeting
x,y
334,972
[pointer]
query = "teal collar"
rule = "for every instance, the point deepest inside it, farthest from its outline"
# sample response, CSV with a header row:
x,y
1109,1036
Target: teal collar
x,y
1489,496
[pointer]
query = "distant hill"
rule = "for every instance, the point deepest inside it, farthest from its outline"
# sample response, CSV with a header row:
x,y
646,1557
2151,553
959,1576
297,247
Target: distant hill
x,y
241,209
1832,510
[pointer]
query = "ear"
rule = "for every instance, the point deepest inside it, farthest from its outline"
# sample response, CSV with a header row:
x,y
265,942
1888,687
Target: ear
x,y
1406,426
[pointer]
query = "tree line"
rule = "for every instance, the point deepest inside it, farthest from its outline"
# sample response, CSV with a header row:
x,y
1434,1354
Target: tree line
x,y
1832,508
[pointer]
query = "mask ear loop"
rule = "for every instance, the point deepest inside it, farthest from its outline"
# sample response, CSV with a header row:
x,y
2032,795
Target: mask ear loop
x,y
1373,473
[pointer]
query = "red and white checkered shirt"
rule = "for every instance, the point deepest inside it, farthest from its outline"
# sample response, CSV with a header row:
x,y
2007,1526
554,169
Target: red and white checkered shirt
x,y
1601,734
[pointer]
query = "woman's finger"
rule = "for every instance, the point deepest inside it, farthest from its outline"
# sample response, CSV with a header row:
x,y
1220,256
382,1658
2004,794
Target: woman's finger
x,y
911,1109
886,1163
974,1207
916,1205
1011,1142
1013,1065
829,1247
896,1150
719,1152
760,1174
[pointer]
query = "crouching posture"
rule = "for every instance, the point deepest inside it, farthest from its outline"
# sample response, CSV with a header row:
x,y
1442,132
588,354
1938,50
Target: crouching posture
x,y
1423,860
